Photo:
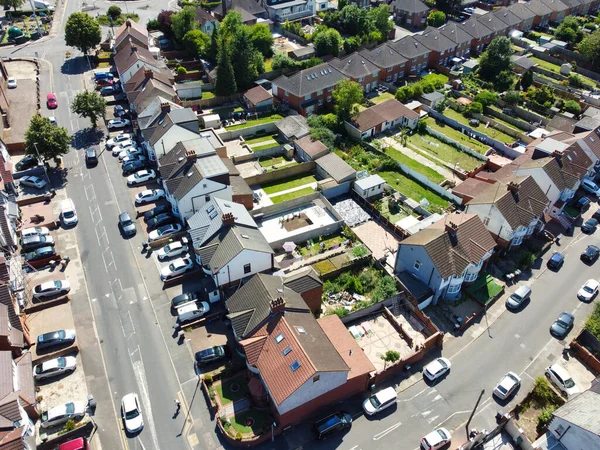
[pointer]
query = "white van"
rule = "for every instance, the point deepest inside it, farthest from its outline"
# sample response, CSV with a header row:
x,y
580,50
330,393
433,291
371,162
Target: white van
x,y
68,215
40,4
378,402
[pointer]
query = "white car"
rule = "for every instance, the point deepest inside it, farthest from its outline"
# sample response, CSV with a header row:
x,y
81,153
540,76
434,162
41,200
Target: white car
x,y
176,268
149,195
173,249
55,367
32,181
118,139
507,385
588,291
164,231
51,288
118,123
119,147
52,120
560,378
34,231
132,413
129,151
61,414
436,439
11,82
141,176
436,368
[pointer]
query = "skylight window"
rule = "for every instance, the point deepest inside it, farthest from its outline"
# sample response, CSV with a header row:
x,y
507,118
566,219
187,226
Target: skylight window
x,y
213,214
286,350
210,209
301,330
294,366
279,338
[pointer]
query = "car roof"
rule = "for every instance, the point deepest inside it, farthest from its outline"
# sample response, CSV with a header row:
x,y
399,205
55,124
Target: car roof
x,y
124,216
557,256
560,371
51,96
129,401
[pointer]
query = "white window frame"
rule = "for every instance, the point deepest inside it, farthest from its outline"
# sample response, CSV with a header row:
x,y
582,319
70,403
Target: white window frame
x,y
417,265
454,288
469,277
517,240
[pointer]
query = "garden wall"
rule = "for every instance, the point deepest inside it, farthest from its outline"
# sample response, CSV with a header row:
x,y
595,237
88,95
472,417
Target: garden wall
x,y
378,216
500,126
273,151
586,346
442,137
370,310
281,174
211,102
278,208
524,114
265,128
517,123
579,59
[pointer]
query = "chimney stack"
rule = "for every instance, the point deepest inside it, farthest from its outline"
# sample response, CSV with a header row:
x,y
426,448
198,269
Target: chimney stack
x,y
133,47
451,228
513,187
165,108
190,155
148,74
277,305
228,219
128,23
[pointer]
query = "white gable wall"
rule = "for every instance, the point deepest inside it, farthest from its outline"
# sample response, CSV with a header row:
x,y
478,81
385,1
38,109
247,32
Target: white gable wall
x,y
234,270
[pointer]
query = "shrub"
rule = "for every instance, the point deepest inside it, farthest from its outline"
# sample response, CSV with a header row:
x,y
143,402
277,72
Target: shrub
x,y
181,70
512,97
542,392
592,324
573,107
359,252
527,259
386,287
545,417
473,108
208,379
422,126
340,311
152,24
114,12
354,285
486,98
69,425
238,436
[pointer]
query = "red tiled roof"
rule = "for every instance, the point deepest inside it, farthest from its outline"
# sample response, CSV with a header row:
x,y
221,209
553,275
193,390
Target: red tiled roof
x,y
387,111
312,147
257,95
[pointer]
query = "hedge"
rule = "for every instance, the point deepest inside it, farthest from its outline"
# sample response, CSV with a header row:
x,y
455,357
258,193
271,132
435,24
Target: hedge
x,y
19,13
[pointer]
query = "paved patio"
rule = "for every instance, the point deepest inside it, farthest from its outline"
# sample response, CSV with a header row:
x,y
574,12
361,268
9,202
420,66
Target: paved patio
x,y
376,238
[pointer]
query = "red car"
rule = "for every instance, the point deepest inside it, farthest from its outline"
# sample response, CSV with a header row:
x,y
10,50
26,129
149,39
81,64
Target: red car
x,y
51,101
105,82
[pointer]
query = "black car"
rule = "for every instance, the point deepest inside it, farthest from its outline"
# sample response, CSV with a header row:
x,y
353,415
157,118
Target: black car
x,y
596,215
40,253
126,224
55,338
590,254
160,209
556,261
160,220
562,325
27,162
133,166
212,354
91,158
36,241
187,297
332,424
589,226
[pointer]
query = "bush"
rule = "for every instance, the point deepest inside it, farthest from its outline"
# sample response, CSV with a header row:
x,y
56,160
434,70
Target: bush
x,y
592,324
542,392
69,425
359,252
422,126
487,98
386,287
573,107
436,19
512,97
152,25
181,70
545,417
473,108
340,311
208,379
114,12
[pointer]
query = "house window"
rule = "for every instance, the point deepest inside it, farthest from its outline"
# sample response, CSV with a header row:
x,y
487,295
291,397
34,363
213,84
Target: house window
x,y
279,338
320,92
294,366
470,277
530,229
285,93
414,60
361,79
329,98
330,89
454,288
389,69
517,240
307,97
486,221
417,265
375,74
316,378
247,268
388,78
286,350
320,102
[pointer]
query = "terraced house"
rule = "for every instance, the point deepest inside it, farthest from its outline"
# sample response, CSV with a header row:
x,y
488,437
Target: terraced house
x,y
462,39
481,34
525,14
412,13
415,52
559,10
541,11
391,64
512,21
358,69
441,48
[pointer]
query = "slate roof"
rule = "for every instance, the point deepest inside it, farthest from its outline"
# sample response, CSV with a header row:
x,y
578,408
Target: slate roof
x,y
257,95
310,80
433,39
354,66
151,89
409,6
583,411
456,33
138,80
452,254
556,5
384,56
203,16
492,22
303,280
387,111
131,29
508,17
251,6
312,147
476,28
572,3
239,186
293,127
250,305
522,11
409,47
592,141
153,113
127,57
336,167
589,123
523,61
539,8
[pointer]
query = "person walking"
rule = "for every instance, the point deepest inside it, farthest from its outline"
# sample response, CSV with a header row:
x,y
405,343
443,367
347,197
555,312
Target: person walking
x,y
177,405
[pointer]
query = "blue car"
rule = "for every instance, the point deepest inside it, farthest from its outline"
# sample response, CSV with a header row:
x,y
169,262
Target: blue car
x,y
556,261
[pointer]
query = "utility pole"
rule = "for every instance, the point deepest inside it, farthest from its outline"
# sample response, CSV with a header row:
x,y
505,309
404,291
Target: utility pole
x,y
40,159
473,412
36,18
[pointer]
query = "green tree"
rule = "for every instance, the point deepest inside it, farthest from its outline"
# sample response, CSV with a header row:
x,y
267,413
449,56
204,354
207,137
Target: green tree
x,y
526,80
569,30
328,42
512,97
82,32
405,93
573,107
436,18
347,95
342,4
351,44
495,59
354,20
51,141
114,12
504,80
196,42
182,22
543,96
487,98
283,61
380,19
262,39
448,6
225,84
244,60
14,4
89,104
590,48
473,108
441,105
213,50
391,356
231,24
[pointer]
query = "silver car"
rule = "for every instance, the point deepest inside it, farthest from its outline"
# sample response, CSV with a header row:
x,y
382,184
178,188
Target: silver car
x,y
55,367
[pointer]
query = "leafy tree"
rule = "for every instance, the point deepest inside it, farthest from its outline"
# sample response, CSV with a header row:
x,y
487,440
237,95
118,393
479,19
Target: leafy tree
x,y
590,48
225,84
283,61
114,12
152,25
448,6
573,107
504,80
51,141
422,126
487,98
196,42
436,18
543,96
259,62
182,22
352,44
14,4
473,108
354,20
526,80
325,135
391,356
82,32
243,60
164,22
262,39
328,42
347,95
405,93
212,52
495,59
386,287
231,24
441,105
380,19
569,30
342,4
512,97
89,104
576,81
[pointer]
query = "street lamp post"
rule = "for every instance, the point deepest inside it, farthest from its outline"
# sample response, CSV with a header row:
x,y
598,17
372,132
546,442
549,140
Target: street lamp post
x,y
39,159
273,425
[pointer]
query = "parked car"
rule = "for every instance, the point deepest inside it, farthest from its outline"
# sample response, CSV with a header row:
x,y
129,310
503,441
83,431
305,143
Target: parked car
x,y
27,162
131,158
104,82
156,211
117,149
588,291
211,355
51,101
32,242
437,368
110,90
32,181
596,215
163,231
556,261
436,439
119,110
583,203
61,414
331,424
176,268
519,297
118,123
68,214
132,413
141,177
118,139
103,75
53,121
80,443
34,231
160,220
133,166
186,297
91,158
562,325
39,254
560,378
51,288
589,226
55,338
380,401
507,385
174,248
55,367
126,224
149,195
11,83
590,254
591,187
130,151
190,312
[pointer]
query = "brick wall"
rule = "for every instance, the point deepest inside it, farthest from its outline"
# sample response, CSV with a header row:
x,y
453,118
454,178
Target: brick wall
x,y
313,298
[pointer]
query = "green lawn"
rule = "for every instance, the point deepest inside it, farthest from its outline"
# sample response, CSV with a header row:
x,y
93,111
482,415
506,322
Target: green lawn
x,y
283,166
299,180
225,392
259,139
456,135
396,214
382,98
251,123
258,148
316,246
546,65
415,165
268,162
484,289
268,64
428,145
291,195
208,94
491,132
238,422
413,190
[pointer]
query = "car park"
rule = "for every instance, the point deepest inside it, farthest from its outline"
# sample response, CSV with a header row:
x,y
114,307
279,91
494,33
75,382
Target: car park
x,y
133,166
507,386
519,297
560,377
176,268
164,231
590,254
32,181
436,439
132,158
126,224
55,367
118,148
51,101
51,288
436,368
27,162
130,151
55,339
141,177
173,248
61,414
591,187
118,139
149,195
91,158
186,297
562,325
190,312
39,254
211,355
588,291
556,261
118,123
331,424
589,226
380,401
11,83
156,211
132,413
34,231
32,242
160,220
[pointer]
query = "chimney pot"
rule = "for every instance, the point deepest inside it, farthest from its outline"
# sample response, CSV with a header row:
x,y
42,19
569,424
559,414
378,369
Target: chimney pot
x,y
128,23
190,155
512,187
451,227
148,74
165,107
277,305
228,219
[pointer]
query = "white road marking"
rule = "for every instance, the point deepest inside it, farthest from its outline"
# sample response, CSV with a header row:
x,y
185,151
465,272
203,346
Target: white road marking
x,y
430,420
450,417
517,336
386,431
140,375
417,394
90,193
436,398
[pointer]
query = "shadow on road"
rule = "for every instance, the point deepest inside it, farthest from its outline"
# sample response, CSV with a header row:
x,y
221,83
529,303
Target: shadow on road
x,y
75,66
84,138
